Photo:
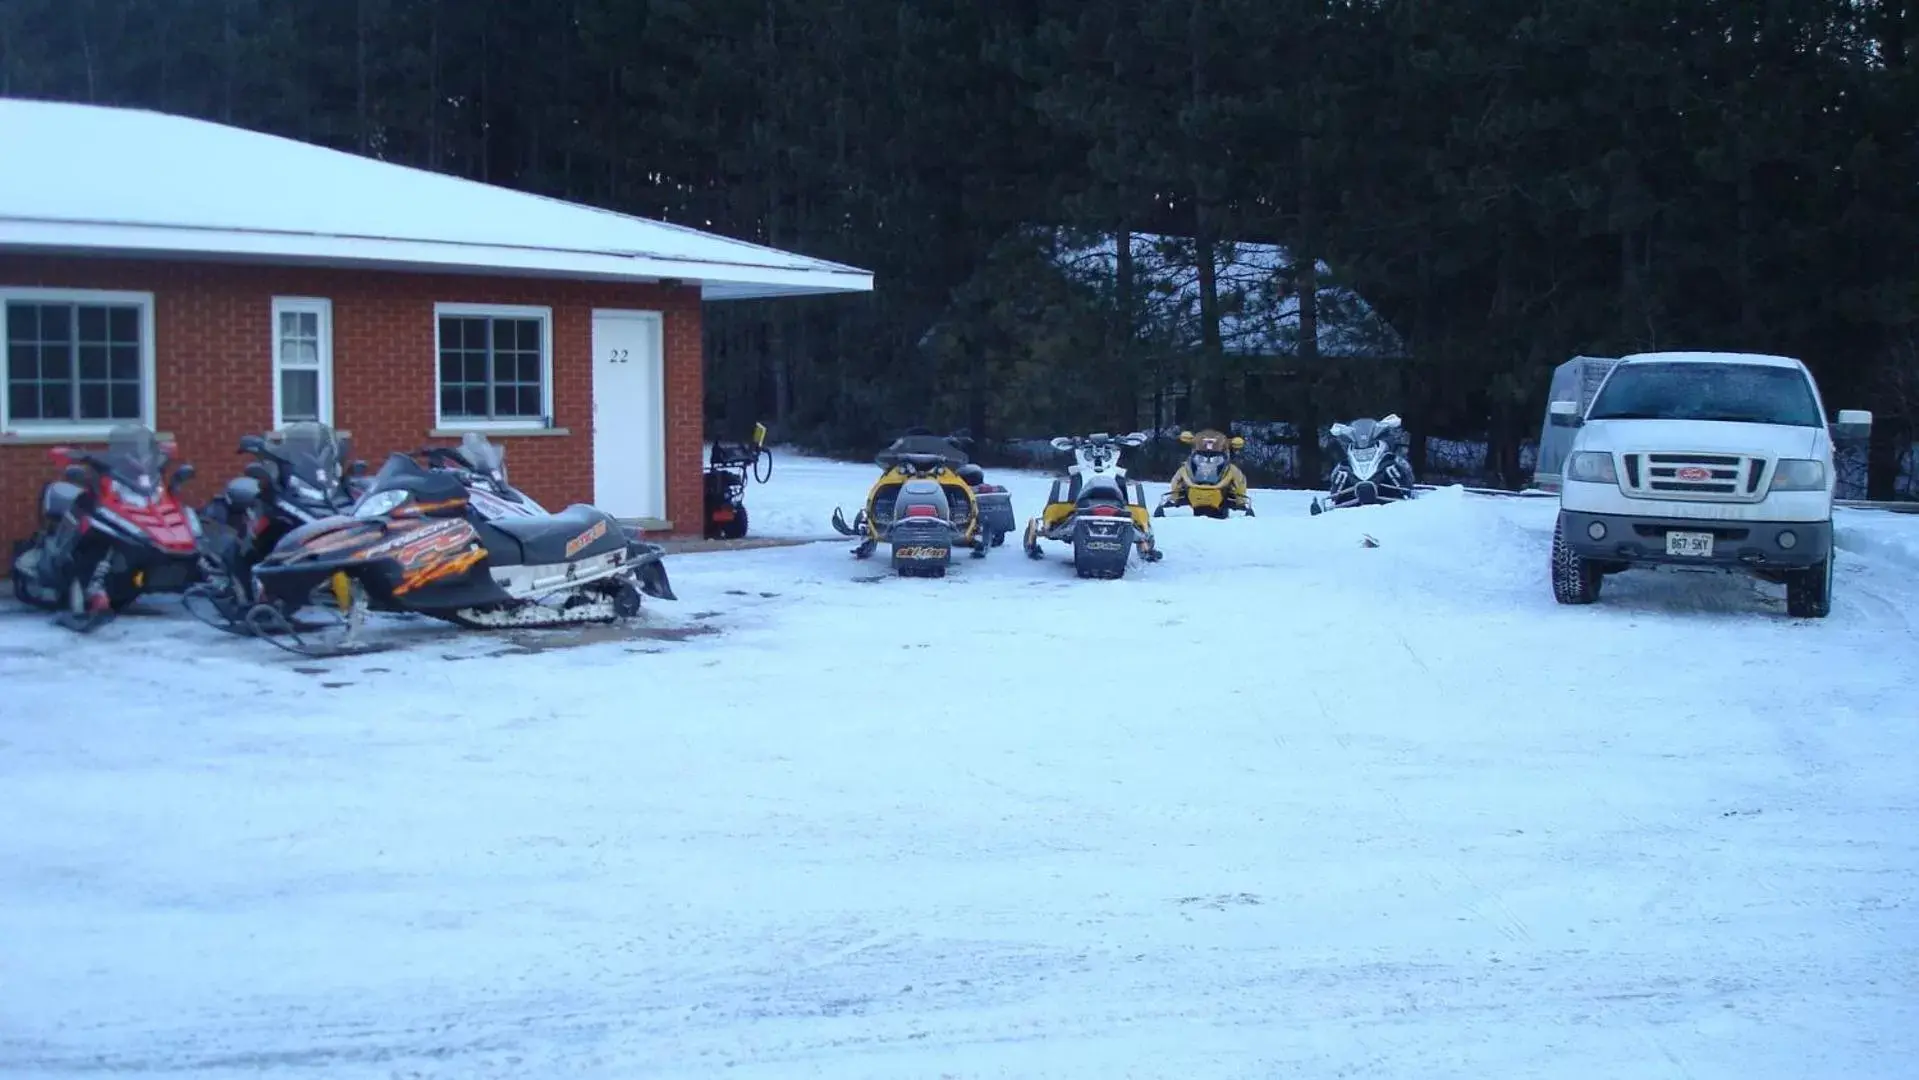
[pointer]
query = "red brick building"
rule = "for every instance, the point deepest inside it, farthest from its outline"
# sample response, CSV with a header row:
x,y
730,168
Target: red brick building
x,y
232,282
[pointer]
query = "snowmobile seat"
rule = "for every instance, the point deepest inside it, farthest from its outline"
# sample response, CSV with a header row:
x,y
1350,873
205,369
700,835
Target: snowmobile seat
x,y
972,474
586,530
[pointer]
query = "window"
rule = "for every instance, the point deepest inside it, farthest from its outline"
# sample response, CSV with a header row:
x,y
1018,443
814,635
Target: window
x,y
302,361
1746,393
77,362
495,366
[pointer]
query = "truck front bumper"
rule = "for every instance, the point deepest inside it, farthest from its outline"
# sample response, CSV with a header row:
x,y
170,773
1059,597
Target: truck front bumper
x,y
1776,545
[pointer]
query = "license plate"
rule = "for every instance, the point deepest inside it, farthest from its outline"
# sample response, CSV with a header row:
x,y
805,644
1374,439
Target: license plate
x,y
1690,544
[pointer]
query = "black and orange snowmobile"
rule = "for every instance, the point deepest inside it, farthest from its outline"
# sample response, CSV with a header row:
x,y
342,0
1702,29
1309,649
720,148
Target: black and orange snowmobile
x,y
411,546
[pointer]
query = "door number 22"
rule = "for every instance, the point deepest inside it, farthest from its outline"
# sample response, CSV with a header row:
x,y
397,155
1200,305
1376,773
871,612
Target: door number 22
x,y
617,356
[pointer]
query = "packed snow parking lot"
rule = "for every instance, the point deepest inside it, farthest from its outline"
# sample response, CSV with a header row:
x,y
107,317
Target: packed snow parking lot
x,y
1280,804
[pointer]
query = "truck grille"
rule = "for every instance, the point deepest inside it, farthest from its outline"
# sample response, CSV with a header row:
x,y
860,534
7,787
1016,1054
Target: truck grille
x,y
1706,477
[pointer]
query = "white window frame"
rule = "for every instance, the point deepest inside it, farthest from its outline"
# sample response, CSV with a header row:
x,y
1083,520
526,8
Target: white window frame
x,y
323,308
498,311
56,429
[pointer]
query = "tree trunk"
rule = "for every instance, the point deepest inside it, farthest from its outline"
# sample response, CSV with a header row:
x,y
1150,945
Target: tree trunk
x,y
1126,330
1306,286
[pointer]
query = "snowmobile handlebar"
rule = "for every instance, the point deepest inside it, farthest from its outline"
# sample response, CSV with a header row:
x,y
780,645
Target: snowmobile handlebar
x,y
1074,442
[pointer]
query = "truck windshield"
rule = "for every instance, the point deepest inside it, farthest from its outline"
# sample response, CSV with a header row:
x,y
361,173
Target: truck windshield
x,y
1746,393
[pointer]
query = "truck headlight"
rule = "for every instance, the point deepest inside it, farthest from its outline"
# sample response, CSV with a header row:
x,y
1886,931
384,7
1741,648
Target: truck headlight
x,y
1592,467
1799,474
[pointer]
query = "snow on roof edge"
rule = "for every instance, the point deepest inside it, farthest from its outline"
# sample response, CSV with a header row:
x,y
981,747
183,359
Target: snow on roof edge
x,y
723,248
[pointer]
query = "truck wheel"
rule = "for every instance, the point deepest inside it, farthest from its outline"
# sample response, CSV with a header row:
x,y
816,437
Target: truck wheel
x,y
1809,591
1575,580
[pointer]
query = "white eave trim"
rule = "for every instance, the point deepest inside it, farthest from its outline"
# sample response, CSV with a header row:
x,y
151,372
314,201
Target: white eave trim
x,y
719,279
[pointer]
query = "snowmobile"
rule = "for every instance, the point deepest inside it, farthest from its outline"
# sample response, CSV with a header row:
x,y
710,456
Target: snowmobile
x,y
298,478
112,529
413,545
1095,508
1208,482
725,483
1370,470
928,500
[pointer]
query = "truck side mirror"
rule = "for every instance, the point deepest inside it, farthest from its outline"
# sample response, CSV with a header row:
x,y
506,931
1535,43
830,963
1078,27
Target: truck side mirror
x,y
1853,424
1564,413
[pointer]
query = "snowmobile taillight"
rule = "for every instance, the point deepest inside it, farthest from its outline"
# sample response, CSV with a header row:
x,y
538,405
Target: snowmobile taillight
x,y
922,510
988,489
1105,511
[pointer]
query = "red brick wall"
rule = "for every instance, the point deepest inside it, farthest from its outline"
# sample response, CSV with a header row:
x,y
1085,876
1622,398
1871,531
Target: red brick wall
x,y
213,353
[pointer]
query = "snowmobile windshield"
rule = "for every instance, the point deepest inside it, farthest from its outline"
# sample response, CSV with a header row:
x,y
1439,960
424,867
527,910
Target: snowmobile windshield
x,y
483,456
1743,393
135,458
1365,434
921,445
1206,466
312,454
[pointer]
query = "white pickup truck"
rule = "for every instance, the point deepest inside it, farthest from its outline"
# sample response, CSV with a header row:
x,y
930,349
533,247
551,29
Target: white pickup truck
x,y
1699,458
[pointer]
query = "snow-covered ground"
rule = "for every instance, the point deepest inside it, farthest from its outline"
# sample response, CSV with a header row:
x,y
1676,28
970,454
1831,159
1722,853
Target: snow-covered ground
x,y
1280,805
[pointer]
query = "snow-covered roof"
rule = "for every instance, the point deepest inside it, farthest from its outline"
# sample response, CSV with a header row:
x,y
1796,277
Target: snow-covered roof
x,y
1259,314
110,180
1689,357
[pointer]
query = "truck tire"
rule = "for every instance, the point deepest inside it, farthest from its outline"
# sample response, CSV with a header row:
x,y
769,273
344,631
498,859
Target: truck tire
x,y
1575,580
1809,591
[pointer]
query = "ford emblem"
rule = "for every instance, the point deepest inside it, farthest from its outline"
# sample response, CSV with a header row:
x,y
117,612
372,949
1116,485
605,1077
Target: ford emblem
x,y
1693,474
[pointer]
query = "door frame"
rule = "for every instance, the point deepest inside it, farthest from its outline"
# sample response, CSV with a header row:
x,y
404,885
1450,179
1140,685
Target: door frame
x,y
656,322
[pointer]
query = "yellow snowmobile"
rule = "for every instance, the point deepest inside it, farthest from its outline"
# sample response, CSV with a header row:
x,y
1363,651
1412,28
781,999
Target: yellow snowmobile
x,y
927,501
1096,509
1209,482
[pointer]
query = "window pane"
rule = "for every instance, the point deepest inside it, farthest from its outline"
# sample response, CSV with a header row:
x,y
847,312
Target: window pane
x,y
93,361
56,323
126,362
473,400
126,400
474,369
450,401
93,401
289,325
299,396
300,353
528,336
56,401
528,368
309,324
450,365
530,401
23,322
93,322
123,325
23,362
23,400
506,401
56,362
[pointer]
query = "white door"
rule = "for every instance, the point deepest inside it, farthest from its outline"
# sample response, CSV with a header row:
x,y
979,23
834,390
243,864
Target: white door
x,y
629,414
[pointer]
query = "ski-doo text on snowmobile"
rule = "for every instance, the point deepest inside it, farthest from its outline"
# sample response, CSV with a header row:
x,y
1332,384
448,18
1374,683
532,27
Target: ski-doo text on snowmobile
x,y
1370,469
1096,509
111,529
1208,482
928,500
412,545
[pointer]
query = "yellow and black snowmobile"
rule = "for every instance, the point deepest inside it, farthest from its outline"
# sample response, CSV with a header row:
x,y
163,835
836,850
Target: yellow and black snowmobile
x,y
928,500
1096,509
1209,482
